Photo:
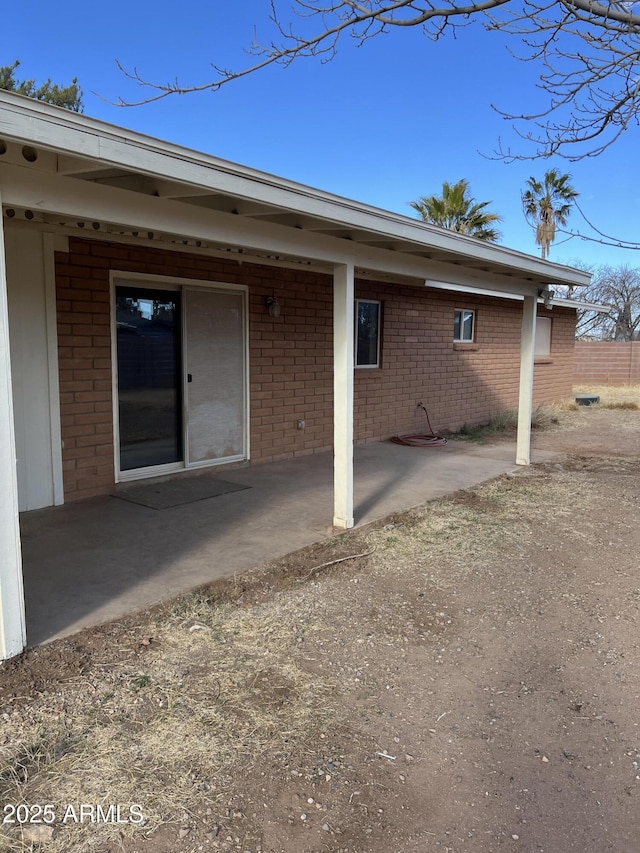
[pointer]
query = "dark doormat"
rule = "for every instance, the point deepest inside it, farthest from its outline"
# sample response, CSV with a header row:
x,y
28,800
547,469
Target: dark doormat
x,y
183,490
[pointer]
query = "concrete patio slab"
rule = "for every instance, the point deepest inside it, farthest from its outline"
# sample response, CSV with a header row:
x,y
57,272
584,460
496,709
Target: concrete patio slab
x,y
96,560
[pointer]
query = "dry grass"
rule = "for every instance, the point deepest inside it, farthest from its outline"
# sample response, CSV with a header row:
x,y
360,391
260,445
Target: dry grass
x,y
612,396
219,686
505,423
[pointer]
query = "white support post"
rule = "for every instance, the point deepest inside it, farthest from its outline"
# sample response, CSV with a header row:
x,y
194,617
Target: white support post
x,y
54,382
525,403
13,635
343,347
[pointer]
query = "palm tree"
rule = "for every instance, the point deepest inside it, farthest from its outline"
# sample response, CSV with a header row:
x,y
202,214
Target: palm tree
x,y
458,211
546,205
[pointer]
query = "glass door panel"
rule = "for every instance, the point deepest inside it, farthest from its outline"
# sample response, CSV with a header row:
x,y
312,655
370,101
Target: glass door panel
x,y
216,383
149,377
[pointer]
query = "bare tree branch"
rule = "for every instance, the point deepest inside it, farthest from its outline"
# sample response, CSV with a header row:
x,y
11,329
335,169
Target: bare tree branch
x,y
588,53
602,238
589,57
363,21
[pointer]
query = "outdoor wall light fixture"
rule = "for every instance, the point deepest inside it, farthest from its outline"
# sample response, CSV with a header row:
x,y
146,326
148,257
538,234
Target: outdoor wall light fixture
x,y
546,294
273,305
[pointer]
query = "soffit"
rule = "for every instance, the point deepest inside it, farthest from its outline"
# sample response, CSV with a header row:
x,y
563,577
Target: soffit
x,y
55,142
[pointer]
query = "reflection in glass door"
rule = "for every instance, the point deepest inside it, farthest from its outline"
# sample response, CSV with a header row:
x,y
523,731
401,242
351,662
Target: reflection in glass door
x,y
149,377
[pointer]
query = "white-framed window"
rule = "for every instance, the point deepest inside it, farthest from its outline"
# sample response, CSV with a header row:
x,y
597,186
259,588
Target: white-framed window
x,y
542,347
367,333
464,321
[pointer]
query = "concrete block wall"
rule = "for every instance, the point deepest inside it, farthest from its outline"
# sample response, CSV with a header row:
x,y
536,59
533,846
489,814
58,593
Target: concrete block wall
x,y
291,373
607,363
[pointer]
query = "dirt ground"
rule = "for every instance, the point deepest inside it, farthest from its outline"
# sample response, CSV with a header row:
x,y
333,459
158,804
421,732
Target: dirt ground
x,y
468,680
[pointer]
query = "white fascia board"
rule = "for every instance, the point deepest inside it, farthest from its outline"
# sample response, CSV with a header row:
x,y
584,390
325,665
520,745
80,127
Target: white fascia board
x,y
561,303
69,133
476,291
582,306
70,197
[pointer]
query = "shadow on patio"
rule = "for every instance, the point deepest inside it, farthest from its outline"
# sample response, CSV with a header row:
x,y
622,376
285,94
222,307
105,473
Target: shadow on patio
x,y
96,560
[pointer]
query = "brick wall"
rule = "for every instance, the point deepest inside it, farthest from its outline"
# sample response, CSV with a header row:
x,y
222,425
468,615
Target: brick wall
x,y
607,363
84,354
456,382
291,357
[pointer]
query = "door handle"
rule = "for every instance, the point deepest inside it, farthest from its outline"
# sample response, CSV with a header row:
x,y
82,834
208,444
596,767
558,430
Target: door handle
x,y
189,377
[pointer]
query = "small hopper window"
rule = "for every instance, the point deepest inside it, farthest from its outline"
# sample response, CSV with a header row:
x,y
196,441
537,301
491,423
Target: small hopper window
x,y
463,325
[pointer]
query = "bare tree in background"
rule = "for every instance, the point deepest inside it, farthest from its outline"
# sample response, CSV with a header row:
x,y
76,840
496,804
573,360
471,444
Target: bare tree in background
x,y
618,288
588,53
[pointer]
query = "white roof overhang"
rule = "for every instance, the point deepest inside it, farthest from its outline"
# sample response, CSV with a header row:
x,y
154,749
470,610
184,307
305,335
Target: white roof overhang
x,y
545,298
63,169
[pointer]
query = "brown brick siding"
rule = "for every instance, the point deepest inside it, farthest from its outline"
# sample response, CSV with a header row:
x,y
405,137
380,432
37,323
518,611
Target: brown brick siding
x,y
84,353
607,362
457,383
291,374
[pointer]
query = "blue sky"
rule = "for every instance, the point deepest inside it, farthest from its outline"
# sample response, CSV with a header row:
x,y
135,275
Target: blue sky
x,y
383,123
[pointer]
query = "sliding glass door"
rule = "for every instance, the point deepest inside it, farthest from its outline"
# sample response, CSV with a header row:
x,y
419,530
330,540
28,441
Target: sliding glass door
x,y
182,386
215,359
149,377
